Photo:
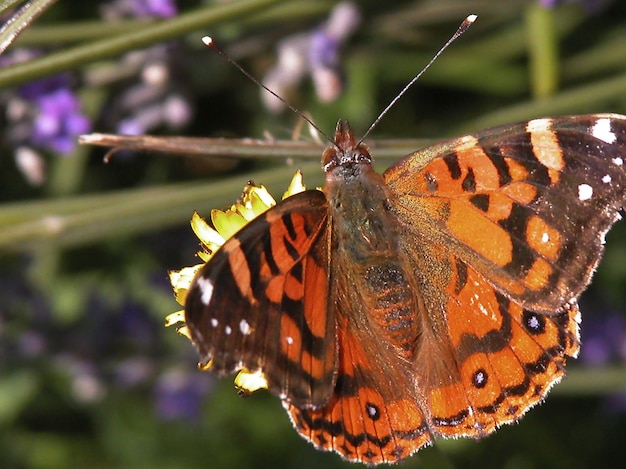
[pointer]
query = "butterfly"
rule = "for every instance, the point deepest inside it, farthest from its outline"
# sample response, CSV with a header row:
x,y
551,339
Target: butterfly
x,y
437,300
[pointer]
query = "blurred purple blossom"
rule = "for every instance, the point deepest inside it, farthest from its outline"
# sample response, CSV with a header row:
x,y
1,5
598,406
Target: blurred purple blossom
x,y
140,9
58,121
179,395
592,6
604,339
315,53
45,113
153,95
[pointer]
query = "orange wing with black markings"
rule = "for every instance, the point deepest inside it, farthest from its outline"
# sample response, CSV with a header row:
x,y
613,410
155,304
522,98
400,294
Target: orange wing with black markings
x,y
527,204
520,213
259,304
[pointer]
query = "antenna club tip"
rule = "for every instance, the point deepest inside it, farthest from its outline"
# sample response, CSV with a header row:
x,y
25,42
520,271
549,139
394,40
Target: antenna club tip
x,y
207,41
471,18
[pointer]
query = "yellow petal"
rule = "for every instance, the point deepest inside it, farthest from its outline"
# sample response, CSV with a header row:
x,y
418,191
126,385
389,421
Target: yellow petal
x,y
227,223
261,193
174,318
181,280
206,367
296,185
205,256
250,382
184,331
207,235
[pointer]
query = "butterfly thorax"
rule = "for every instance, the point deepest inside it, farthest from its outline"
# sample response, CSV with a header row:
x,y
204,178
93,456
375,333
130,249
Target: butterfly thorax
x,y
365,236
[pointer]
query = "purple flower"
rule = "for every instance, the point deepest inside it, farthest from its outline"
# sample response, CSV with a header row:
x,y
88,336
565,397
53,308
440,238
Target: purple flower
x,y
46,114
155,8
58,121
35,89
592,6
323,50
140,9
604,339
179,395
316,54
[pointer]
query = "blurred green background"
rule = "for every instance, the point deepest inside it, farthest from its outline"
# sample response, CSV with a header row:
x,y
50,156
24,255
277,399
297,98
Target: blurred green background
x,y
89,377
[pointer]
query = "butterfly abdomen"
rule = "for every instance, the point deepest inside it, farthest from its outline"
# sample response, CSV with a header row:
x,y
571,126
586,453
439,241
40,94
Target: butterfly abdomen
x,y
392,304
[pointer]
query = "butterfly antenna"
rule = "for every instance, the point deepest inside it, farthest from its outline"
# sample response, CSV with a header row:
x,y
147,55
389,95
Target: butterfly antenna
x,y
209,42
462,28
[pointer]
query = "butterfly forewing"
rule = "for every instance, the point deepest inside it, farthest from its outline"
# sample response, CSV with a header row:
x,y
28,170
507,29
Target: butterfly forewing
x,y
527,204
260,302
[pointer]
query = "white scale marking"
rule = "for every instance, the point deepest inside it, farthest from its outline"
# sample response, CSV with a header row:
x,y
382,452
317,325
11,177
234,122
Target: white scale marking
x,y
206,288
539,125
228,330
214,322
617,161
606,179
585,192
244,327
602,131
289,340
545,237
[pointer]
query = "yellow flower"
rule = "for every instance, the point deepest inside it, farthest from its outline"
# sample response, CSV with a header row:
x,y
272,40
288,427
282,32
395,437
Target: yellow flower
x,y
253,202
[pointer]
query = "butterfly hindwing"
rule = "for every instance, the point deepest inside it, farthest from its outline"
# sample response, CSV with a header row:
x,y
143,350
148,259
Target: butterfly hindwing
x,y
375,413
260,302
504,359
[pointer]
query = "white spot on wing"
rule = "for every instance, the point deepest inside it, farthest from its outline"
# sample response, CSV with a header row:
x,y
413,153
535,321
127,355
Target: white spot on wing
x,y
545,237
214,322
289,340
602,130
585,191
228,330
483,309
606,179
537,125
244,327
617,161
206,288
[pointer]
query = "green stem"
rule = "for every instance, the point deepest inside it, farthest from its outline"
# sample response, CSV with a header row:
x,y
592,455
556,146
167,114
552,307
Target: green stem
x,y
74,222
588,97
143,37
543,50
20,20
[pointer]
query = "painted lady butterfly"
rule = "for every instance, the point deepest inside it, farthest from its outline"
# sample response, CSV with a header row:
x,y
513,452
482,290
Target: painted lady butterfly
x,y
435,300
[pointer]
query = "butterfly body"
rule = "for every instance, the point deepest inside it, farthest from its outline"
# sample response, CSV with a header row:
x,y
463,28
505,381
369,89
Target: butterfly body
x,y
367,241
435,300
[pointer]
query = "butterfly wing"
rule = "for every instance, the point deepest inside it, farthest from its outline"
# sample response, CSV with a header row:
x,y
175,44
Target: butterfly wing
x,y
260,303
374,414
504,229
527,205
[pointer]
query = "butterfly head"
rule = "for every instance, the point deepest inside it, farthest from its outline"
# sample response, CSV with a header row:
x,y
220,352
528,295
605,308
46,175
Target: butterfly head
x,y
345,150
